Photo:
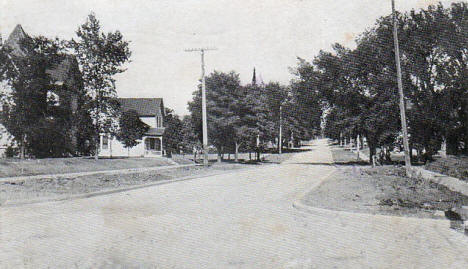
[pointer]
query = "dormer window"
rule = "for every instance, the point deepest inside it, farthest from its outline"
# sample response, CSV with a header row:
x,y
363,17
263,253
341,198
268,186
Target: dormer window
x,y
159,122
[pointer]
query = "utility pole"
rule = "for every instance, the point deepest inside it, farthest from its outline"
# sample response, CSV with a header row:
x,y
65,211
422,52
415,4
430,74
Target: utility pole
x,y
280,142
400,91
204,121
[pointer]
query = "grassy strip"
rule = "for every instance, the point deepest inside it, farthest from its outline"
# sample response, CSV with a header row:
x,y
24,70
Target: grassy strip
x,y
383,190
9,168
342,156
68,186
454,166
380,190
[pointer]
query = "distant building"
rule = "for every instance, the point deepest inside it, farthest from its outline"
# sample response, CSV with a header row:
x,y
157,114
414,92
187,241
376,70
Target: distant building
x,y
151,112
64,73
257,80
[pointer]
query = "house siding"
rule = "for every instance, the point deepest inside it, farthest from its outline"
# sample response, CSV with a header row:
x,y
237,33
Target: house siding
x,y
115,148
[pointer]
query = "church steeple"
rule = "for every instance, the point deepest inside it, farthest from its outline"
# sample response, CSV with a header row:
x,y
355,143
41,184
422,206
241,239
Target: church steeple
x,y
254,78
257,80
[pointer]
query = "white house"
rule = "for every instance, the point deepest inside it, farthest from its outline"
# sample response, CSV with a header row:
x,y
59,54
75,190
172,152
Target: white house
x,y
151,112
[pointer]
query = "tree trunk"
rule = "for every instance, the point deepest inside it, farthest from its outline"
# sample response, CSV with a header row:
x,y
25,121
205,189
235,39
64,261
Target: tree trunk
x,y
218,159
410,152
236,154
443,148
110,147
372,150
388,156
358,146
96,153
23,148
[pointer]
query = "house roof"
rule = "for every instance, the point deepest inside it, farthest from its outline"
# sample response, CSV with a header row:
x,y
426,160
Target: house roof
x,y
65,69
14,41
155,131
145,107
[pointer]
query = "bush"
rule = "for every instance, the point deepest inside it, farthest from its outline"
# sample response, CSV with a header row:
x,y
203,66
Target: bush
x,y
11,152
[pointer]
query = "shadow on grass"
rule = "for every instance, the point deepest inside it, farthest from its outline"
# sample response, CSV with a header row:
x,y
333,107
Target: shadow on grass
x,y
354,163
224,161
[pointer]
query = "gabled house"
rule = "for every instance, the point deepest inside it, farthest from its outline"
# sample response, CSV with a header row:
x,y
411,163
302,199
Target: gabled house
x,y
151,112
64,72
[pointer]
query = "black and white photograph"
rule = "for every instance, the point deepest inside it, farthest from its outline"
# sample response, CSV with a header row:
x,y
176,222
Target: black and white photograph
x,y
233,134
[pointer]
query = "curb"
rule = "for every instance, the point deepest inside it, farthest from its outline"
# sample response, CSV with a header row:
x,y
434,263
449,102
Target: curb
x,y
329,213
90,173
453,183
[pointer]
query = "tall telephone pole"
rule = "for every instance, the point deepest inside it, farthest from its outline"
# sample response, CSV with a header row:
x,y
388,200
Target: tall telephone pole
x,y
280,138
204,122
400,91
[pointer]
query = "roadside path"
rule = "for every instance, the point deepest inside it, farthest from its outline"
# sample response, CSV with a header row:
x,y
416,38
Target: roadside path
x,y
237,220
90,173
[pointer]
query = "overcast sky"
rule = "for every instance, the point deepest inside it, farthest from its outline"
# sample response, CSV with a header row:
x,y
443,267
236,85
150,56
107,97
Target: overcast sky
x,y
268,35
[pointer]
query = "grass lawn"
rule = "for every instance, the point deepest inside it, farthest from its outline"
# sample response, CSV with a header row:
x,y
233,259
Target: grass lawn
x,y
64,187
343,156
69,186
454,166
243,157
16,167
381,190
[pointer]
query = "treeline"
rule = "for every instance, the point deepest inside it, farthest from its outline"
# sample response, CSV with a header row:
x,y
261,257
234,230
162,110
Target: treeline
x,y
58,96
359,88
247,118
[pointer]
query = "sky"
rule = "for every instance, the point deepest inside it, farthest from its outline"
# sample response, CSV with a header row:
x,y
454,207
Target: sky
x,y
266,34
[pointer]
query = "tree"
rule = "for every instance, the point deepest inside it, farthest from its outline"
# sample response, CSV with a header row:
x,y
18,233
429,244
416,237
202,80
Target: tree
x,y
29,115
173,134
131,129
101,56
222,89
359,85
189,137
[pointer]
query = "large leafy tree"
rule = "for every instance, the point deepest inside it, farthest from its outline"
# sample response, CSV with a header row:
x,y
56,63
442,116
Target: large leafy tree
x,y
189,136
173,134
359,85
101,56
221,89
37,123
131,129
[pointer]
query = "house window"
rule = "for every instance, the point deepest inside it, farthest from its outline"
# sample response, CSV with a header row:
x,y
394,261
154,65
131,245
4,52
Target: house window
x,y
105,142
153,144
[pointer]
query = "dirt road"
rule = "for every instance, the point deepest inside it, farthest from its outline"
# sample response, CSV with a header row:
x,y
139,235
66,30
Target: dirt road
x,y
243,219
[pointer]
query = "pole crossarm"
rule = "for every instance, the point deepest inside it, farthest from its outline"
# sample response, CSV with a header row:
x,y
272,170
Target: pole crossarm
x,y
200,49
